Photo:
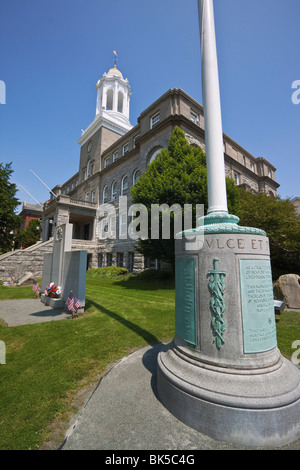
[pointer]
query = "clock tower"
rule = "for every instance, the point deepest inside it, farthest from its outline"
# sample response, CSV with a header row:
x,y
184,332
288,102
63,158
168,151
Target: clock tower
x,y
113,98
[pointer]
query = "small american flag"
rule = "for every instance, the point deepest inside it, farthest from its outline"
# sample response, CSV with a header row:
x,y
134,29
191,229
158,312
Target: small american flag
x,y
36,287
72,303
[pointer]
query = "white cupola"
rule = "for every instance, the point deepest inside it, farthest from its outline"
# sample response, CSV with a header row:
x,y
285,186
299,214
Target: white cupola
x,y
113,98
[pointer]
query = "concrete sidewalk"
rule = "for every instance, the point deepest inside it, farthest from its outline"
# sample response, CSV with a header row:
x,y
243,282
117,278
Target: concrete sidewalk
x,y
29,311
124,413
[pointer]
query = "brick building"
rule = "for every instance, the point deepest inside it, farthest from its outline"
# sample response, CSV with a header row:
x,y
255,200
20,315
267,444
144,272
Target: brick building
x,y
112,155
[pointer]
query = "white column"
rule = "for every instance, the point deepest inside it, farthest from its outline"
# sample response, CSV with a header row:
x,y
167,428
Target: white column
x,y
216,182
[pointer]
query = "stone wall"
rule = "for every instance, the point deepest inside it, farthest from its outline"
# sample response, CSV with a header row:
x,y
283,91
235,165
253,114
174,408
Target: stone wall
x,y
19,262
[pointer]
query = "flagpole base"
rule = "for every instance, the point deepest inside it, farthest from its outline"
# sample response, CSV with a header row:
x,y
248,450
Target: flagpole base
x,y
238,406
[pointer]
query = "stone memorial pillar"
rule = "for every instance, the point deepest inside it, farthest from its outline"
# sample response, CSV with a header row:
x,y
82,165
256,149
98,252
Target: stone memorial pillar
x,y
64,267
223,373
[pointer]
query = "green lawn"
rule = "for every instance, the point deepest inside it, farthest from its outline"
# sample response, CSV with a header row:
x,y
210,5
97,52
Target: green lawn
x,y
47,363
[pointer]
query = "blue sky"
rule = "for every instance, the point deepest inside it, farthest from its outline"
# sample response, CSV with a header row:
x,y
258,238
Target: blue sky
x,y
54,51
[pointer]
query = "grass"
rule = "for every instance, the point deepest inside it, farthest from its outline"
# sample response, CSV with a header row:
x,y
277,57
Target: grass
x,y
47,363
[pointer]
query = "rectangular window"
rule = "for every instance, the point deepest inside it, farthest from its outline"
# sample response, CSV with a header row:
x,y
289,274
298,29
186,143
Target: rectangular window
x,y
236,177
112,226
106,162
93,196
123,225
152,263
154,120
86,197
134,140
125,149
115,156
100,261
108,259
195,118
120,258
130,261
252,167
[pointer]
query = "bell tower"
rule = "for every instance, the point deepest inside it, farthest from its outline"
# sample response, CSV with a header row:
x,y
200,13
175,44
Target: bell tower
x,y
113,99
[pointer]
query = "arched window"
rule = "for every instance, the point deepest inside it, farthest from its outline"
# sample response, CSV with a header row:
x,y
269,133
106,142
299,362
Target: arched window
x,y
154,155
89,169
120,102
135,176
124,185
105,194
114,189
109,99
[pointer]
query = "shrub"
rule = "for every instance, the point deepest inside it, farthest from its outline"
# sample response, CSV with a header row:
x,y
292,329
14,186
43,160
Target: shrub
x,y
154,275
109,272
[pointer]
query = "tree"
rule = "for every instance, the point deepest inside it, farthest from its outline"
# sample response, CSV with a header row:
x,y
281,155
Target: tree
x,y
177,176
31,234
9,221
279,219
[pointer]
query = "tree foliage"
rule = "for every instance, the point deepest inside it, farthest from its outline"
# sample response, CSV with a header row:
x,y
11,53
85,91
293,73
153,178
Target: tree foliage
x,y
9,221
177,176
30,235
279,219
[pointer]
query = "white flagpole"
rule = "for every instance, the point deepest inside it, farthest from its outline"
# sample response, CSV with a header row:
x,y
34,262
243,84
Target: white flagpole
x,y
216,182
31,195
43,183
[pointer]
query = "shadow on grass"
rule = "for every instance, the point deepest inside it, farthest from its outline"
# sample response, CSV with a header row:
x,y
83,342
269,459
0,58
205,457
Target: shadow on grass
x,y
146,335
144,285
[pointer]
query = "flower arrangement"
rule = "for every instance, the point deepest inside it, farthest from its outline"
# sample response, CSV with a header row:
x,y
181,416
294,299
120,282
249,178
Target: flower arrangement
x,y
52,290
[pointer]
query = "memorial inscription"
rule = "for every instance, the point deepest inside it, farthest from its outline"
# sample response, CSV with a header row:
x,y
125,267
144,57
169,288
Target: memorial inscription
x,y
259,328
185,301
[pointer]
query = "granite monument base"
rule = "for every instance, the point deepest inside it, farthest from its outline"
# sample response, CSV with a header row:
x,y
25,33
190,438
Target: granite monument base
x,y
56,304
223,373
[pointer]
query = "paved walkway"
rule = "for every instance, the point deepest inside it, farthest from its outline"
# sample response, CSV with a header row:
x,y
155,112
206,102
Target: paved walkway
x,y
28,311
124,413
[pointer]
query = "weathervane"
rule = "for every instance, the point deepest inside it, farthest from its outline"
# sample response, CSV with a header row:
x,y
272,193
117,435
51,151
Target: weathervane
x,y
115,59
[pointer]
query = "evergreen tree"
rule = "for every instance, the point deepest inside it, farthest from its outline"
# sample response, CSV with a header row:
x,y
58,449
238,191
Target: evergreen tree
x,y
9,221
177,176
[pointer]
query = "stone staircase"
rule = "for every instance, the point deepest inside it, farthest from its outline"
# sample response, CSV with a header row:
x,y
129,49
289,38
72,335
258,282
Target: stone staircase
x,y
19,262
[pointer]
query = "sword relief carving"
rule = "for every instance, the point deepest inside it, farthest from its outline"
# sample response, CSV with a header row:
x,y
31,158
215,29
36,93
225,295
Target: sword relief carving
x,y
217,286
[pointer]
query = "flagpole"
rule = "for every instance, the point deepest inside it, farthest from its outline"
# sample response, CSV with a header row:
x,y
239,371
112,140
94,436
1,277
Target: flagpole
x,y
216,181
43,183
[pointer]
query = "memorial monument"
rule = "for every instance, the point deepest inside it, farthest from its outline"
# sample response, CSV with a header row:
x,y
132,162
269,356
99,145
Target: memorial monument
x,y
64,267
223,373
